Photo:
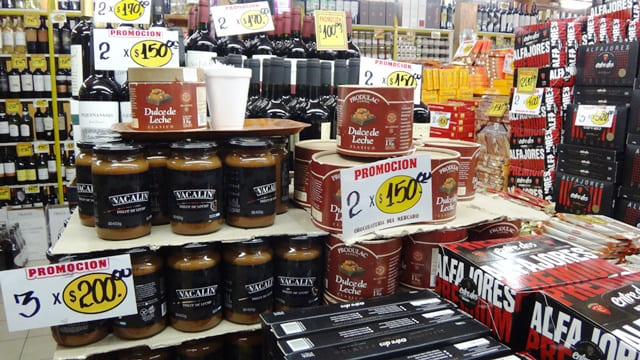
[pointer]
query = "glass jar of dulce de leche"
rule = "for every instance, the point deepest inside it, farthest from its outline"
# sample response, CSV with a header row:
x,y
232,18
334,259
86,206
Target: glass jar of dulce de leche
x,y
157,154
84,160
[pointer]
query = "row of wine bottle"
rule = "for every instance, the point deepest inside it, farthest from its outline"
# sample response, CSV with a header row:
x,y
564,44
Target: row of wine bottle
x,y
18,38
27,84
36,168
25,127
22,199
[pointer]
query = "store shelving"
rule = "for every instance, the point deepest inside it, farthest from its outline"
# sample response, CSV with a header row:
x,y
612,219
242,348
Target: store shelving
x,y
37,98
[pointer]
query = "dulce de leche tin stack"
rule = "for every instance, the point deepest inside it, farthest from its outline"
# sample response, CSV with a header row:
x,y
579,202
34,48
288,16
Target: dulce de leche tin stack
x,y
302,162
469,154
374,121
445,168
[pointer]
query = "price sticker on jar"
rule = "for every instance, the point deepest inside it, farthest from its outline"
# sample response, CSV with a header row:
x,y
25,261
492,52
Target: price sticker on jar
x,y
242,18
331,30
527,104
120,49
377,72
64,62
385,194
68,292
14,106
122,11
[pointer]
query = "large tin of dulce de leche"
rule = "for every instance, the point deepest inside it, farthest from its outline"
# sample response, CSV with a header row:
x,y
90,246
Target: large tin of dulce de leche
x,y
445,166
374,121
469,154
302,161
362,270
324,188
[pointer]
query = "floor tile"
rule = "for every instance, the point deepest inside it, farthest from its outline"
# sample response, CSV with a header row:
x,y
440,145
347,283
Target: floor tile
x,y
11,349
2,314
38,348
39,332
6,335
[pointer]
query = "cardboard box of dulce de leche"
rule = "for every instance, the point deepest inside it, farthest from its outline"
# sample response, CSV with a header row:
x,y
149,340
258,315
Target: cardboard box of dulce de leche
x,y
167,99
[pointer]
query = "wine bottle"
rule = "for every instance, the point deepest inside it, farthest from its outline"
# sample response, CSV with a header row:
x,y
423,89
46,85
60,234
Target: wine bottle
x,y
81,41
61,83
20,41
8,41
287,99
276,108
43,37
51,167
295,47
63,132
443,15
26,83
15,87
74,5
42,169
47,124
2,177
352,50
232,45
191,21
479,15
32,171
14,127
46,78
70,167
279,29
302,87
200,47
326,98
254,88
341,77
65,38
63,5
315,113
26,125
38,120
4,124
125,103
354,71
4,81
9,166
31,36
158,14
57,45
38,83
21,170
450,10
308,37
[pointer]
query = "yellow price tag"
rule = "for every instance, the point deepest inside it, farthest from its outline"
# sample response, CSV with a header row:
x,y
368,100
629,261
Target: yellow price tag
x,y
254,19
128,10
42,148
64,62
497,108
32,21
436,35
398,194
378,34
24,149
527,79
5,193
40,103
68,146
58,18
103,300
13,106
19,62
411,36
38,62
151,53
32,189
331,30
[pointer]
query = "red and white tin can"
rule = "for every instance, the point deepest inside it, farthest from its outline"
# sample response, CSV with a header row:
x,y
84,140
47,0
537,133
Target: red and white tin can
x,y
362,270
324,189
374,121
469,154
445,165
302,161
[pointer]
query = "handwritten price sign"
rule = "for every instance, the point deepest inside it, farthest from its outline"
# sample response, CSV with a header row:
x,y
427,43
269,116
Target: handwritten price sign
x,y
376,72
600,116
123,11
527,79
331,30
120,49
384,194
498,108
527,104
242,18
68,292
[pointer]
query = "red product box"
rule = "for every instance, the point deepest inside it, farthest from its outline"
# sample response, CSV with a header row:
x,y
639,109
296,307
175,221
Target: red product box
x,y
495,280
454,121
589,34
532,178
590,320
632,30
618,30
574,39
628,211
603,27
612,137
582,195
544,47
631,177
553,107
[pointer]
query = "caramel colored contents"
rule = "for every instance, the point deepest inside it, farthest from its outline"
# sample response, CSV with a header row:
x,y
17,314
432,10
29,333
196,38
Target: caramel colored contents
x,y
200,349
296,252
85,158
80,339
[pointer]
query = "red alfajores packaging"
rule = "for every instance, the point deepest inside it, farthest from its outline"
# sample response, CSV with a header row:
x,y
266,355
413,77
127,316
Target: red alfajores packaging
x,y
495,280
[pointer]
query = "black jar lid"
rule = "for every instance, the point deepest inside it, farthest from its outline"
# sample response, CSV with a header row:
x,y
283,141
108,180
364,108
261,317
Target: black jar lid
x,y
253,143
117,148
257,242
189,145
139,251
197,246
307,238
90,144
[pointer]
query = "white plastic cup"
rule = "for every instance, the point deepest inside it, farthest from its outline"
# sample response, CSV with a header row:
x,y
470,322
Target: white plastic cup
x,y
227,94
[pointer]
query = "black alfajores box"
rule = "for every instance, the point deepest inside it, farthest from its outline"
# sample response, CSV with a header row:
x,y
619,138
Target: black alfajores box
x,y
628,211
484,347
495,280
614,64
592,320
601,126
582,153
603,95
632,163
581,195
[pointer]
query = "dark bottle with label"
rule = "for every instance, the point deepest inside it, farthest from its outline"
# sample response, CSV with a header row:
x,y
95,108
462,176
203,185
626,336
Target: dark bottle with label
x,y
65,38
26,125
248,280
254,89
4,124
70,167
57,45
308,36
38,121
47,124
61,83
46,78
276,108
194,287
15,87
31,36
298,271
26,83
262,46
81,41
421,121
38,83
302,89
297,48
51,167
14,127
43,37
21,170
285,38
315,113
32,171
9,166
352,49
2,177
232,46
63,132
158,15
201,47
41,168
278,25
4,81
287,99
354,71
191,20
341,77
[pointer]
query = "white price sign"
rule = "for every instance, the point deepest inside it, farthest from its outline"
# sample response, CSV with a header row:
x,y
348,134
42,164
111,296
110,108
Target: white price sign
x,y
385,193
242,18
122,11
440,119
464,49
600,116
376,72
508,67
68,292
527,104
120,49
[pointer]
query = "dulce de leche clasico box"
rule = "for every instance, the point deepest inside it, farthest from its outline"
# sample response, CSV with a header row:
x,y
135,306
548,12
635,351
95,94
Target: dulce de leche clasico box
x,y
167,99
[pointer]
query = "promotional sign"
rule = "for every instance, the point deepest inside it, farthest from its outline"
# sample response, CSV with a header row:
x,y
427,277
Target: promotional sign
x,y
527,104
68,292
497,108
465,48
377,72
331,30
527,80
122,11
242,18
595,116
385,193
120,49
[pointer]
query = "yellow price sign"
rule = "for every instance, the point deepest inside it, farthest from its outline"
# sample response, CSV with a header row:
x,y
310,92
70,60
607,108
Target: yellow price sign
x,y
129,10
32,189
398,194
58,18
331,30
255,19
436,35
497,108
41,103
19,62
94,293
533,102
32,21
14,106
527,79
151,53
401,78
5,193
24,149
38,62
64,62
42,148
68,146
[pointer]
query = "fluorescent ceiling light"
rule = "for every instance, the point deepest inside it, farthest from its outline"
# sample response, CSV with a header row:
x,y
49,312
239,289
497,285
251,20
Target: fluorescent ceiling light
x,y
574,4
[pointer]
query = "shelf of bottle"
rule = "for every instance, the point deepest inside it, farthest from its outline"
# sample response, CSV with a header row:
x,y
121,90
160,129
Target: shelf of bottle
x,y
37,98
495,34
20,186
8,56
425,30
35,142
18,12
364,27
